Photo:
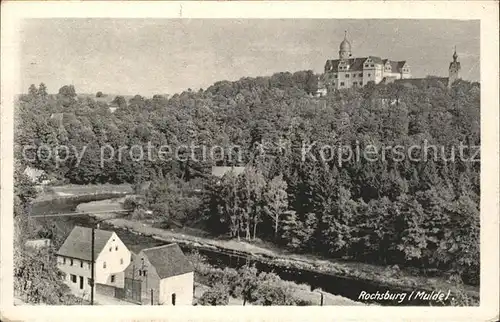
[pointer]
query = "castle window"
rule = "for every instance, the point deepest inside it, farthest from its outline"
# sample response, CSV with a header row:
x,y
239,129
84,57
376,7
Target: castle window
x,y
112,278
369,74
64,260
335,75
81,264
73,278
104,265
71,262
341,83
372,65
360,74
355,83
360,83
116,247
346,75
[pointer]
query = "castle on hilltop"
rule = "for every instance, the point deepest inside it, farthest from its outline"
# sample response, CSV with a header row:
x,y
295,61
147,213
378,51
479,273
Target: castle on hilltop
x,y
348,71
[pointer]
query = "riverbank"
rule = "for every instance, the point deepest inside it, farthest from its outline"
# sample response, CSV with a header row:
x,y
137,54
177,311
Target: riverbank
x,y
48,193
383,277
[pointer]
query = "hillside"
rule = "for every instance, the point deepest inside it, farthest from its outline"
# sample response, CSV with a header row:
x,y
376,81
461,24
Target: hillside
x,y
309,185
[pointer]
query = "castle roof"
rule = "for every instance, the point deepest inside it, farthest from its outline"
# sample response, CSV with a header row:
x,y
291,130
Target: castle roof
x,y
455,64
345,45
356,64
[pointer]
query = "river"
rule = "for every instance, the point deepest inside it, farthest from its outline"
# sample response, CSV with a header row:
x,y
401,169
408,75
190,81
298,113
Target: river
x,y
345,287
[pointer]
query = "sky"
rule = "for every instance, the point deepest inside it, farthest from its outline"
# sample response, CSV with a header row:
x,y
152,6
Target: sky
x,y
167,56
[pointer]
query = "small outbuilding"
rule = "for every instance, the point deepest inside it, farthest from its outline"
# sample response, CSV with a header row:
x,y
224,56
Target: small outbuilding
x,y
160,276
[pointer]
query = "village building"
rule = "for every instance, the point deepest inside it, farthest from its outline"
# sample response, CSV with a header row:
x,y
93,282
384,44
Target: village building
x,y
160,276
348,71
74,259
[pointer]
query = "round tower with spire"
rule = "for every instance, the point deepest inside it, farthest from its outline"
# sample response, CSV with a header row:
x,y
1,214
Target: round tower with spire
x,y
454,69
345,48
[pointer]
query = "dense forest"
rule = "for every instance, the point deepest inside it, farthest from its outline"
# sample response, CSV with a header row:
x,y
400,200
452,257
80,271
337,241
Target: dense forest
x,y
420,210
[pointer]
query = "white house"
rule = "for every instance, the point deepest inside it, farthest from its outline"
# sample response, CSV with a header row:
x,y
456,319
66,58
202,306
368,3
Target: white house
x,y
111,259
160,275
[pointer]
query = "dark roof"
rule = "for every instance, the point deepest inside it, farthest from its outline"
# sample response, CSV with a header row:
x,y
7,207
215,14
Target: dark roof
x,y
396,66
376,60
168,260
356,64
400,64
78,243
456,63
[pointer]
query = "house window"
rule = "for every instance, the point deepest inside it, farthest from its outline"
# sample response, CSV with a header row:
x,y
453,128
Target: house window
x,y
73,278
366,65
112,278
140,273
111,248
144,273
360,83
372,65
173,298
121,261
341,83
355,83
346,75
71,262
335,75
81,264
104,265
88,281
64,260
369,74
360,74
116,247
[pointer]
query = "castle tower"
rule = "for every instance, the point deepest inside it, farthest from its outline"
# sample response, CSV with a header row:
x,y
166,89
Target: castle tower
x,y
345,48
454,69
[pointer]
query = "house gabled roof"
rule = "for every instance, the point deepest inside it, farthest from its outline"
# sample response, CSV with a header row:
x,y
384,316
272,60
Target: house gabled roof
x,y
78,243
168,260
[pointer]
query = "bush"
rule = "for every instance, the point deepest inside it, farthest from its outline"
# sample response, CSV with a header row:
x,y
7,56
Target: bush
x,y
217,295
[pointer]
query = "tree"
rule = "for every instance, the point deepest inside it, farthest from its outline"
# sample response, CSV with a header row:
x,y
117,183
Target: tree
x,y
67,91
42,90
38,280
217,295
247,283
276,200
99,94
32,91
120,101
